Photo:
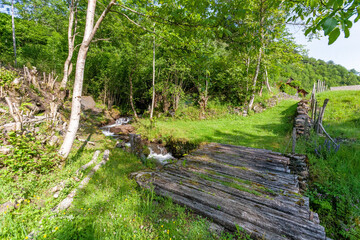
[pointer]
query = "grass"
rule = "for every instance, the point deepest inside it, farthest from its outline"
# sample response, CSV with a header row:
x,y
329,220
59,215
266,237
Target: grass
x,y
112,206
342,114
264,130
335,177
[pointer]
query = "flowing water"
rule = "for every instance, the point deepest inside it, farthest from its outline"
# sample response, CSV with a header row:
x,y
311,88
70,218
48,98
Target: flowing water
x,y
120,121
163,157
160,155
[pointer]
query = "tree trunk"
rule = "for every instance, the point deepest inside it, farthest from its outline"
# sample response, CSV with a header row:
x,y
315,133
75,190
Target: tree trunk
x,y
252,98
89,33
267,81
177,92
203,100
251,102
13,29
71,42
131,95
153,82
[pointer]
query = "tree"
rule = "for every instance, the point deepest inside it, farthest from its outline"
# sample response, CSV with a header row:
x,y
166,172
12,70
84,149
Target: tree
x,y
13,29
73,6
90,30
330,16
153,79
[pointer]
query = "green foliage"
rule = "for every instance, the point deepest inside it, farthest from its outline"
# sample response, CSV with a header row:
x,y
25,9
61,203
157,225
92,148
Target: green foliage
x,y
287,89
332,16
110,207
7,76
334,187
335,180
27,155
37,44
309,70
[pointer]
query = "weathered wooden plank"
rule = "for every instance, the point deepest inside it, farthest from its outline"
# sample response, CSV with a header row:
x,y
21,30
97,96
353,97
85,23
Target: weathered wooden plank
x,y
295,206
268,222
276,185
233,185
287,198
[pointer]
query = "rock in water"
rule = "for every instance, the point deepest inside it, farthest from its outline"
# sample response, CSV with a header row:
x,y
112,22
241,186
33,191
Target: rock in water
x,y
123,129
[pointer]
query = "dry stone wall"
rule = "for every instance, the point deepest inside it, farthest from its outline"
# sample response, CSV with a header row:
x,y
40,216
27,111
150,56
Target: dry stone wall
x,y
303,122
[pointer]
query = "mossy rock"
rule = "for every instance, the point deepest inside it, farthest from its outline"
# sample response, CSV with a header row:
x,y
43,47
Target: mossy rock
x,y
179,147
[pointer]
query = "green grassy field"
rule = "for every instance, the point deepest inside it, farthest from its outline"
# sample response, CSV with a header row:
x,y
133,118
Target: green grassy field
x,y
342,114
268,129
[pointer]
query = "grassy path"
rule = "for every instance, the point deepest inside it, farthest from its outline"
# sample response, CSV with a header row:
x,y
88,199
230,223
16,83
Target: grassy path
x,y
264,130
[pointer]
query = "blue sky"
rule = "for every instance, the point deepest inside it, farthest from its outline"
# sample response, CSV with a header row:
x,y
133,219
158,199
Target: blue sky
x,y
345,51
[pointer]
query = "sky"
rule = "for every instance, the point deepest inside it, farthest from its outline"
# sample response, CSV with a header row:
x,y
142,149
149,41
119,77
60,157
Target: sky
x,y
344,51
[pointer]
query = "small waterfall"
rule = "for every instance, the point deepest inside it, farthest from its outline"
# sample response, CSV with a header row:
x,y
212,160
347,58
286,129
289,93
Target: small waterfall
x,y
162,157
118,122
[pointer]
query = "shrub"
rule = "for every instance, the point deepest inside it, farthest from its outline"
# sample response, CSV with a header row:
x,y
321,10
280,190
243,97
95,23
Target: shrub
x,y
27,155
7,76
327,149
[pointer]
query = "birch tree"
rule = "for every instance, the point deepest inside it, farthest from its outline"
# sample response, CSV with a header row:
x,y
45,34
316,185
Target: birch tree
x,y
13,29
90,30
71,40
153,80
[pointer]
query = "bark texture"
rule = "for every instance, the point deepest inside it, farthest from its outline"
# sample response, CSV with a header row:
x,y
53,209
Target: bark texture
x,y
13,29
153,82
89,33
71,41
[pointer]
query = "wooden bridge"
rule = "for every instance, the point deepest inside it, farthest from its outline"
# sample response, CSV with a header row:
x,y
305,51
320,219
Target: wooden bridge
x,y
234,185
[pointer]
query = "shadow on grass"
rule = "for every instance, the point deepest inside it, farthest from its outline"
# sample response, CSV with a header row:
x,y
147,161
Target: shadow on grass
x,y
263,135
80,151
112,206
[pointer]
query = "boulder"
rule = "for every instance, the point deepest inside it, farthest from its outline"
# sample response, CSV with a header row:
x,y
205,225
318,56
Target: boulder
x,y
88,103
114,113
123,129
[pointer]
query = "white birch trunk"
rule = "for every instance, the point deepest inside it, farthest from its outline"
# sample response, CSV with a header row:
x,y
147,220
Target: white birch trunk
x,y
71,42
89,33
153,97
153,82
267,80
252,98
13,29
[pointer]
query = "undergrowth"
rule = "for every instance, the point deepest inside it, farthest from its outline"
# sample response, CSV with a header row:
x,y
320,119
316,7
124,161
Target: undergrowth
x,y
334,186
27,154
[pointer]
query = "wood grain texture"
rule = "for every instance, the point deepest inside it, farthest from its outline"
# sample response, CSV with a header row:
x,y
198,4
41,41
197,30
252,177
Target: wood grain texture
x,y
234,185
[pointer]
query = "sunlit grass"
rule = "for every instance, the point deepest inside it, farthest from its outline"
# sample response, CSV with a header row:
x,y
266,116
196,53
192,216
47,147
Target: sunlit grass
x,y
264,130
342,114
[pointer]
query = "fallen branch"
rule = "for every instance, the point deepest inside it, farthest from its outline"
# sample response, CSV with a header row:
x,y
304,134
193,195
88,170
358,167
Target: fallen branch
x,y
66,203
36,120
58,188
93,160
323,129
14,112
83,140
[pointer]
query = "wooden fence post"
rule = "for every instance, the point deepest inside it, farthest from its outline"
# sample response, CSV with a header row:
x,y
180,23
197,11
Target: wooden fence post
x,y
321,116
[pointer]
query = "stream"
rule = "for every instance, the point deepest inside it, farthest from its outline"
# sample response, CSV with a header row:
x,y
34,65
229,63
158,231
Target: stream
x,y
157,152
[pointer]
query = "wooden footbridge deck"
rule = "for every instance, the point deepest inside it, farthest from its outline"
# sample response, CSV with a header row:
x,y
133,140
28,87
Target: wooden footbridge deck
x,y
234,185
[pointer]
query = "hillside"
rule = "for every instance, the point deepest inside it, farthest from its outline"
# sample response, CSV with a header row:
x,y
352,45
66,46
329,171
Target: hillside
x,y
309,70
